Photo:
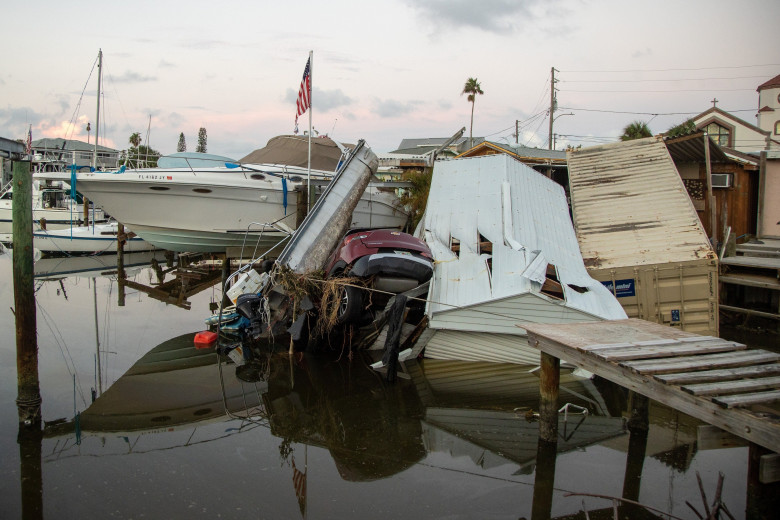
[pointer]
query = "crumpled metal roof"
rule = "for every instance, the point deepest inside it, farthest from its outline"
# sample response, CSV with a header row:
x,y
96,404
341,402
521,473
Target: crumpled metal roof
x,y
631,208
506,223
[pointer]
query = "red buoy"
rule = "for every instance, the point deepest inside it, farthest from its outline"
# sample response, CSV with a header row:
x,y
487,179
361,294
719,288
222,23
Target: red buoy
x,y
205,339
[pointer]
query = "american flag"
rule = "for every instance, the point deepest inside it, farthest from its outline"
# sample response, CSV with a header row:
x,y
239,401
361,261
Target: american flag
x,y
29,141
299,483
304,93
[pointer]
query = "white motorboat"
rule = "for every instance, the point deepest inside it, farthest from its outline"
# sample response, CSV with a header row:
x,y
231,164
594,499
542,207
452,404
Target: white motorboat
x,y
97,238
52,208
250,204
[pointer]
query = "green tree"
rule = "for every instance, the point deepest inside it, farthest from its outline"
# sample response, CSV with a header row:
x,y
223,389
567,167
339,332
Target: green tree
x,y
201,140
140,156
635,130
182,146
472,88
684,128
415,198
135,139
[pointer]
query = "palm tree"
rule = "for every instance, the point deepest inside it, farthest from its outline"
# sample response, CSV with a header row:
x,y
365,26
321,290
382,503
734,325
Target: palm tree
x,y
132,153
636,130
684,128
472,88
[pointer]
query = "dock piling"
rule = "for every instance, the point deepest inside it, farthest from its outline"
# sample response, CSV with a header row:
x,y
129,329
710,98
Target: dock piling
x,y
28,399
547,448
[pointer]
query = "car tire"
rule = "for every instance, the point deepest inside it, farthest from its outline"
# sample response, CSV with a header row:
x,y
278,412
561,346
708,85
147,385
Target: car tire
x,y
350,304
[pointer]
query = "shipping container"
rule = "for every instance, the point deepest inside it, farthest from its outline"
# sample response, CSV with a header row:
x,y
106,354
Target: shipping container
x,y
640,236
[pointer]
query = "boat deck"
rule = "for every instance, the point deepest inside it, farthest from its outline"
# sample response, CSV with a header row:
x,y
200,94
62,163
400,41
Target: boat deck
x,y
717,381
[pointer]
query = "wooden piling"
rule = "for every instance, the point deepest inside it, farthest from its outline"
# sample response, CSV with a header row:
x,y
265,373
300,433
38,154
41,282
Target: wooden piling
x,y
638,426
31,471
547,448
28,399
300,201
121,238
763,499
549,380
544,480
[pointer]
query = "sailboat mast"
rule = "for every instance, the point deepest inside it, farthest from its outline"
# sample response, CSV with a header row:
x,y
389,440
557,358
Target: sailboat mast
x,y
97,125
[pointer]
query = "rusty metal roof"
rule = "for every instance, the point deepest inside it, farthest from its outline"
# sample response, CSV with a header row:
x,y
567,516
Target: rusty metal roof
x,y
690,148
630,206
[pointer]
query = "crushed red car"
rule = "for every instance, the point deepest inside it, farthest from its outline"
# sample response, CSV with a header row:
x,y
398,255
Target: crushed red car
x,y
389,260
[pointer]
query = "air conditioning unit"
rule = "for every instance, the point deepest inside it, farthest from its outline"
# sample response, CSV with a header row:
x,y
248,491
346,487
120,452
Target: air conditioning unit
x,y
721,180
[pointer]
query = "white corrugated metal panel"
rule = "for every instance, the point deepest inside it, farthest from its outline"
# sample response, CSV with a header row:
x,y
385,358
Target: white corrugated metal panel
x,y
521,213
478,346
507,315
631,208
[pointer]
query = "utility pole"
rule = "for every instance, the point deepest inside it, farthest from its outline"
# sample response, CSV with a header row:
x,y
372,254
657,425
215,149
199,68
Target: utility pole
x,y
553,103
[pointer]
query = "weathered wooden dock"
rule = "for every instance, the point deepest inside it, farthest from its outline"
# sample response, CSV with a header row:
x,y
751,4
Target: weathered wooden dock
x,y
720,382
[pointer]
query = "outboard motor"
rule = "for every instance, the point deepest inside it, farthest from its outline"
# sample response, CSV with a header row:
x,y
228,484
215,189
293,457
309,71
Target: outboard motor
x,y
250,306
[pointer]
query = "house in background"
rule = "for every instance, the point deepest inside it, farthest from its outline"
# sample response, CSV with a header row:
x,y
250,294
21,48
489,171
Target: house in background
x,y
429,144
734,184
729,131
769,196
415,154
769,109
57,154
551,163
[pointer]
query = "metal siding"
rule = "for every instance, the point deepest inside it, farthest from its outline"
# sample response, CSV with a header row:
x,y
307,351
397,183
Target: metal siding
x,y
475,346
467,200
503,316
631,208
690,287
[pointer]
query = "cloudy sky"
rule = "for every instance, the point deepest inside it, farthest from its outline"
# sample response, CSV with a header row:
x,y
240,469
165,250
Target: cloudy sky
x,y
384,70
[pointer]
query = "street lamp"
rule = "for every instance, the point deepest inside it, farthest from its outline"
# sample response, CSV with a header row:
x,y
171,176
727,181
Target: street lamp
x,y
556,117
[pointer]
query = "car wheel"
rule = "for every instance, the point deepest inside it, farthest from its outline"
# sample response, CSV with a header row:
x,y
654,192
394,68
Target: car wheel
x,y
350,305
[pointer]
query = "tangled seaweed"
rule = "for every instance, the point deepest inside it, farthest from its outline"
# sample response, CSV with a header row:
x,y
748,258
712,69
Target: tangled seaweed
x,y
330,300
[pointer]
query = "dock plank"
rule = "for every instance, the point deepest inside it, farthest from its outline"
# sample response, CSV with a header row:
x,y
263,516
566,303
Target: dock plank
x,y
741,400
726,374
686,349
733,387
703,362
570,342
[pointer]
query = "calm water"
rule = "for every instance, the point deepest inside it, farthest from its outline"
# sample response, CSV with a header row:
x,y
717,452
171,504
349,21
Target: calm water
x,y
164,431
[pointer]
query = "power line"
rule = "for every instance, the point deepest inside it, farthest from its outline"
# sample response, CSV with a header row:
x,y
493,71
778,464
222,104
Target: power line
x,y
678,70
655,80
648,113
664,91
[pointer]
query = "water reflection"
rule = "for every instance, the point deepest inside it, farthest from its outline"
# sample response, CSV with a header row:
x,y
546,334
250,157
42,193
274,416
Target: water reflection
x,y
460,438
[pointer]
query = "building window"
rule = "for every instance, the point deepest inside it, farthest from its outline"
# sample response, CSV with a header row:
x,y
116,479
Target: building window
x,y
718,133
777,127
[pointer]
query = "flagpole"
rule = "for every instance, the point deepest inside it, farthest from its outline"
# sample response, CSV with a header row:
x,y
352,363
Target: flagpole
x,y
311,109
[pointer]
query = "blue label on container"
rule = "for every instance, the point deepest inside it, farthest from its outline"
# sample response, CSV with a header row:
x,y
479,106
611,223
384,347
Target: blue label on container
x,y
623,289
675,315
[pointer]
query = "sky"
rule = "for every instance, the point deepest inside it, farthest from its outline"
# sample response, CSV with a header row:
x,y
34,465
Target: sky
x,y
383,70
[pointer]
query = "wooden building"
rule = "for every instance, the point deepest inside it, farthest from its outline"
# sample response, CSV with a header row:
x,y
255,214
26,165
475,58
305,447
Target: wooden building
x,y
733,186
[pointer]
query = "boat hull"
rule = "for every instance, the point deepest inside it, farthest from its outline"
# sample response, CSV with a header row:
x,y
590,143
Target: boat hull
x,y
211,210
86,239
71,214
